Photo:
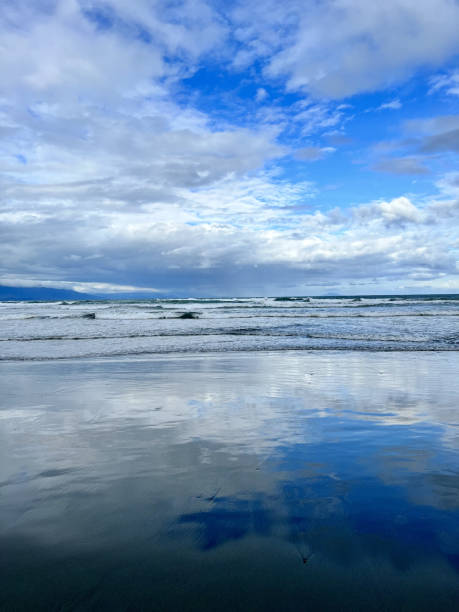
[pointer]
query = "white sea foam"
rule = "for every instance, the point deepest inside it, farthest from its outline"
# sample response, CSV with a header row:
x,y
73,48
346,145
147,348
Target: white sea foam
x,y
39,330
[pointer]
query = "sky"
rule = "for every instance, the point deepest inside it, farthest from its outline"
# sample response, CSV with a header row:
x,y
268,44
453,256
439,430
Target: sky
x,y
217,148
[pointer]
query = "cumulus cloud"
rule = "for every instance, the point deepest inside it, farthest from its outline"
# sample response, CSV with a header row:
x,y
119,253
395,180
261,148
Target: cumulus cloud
x,y
63,47
114,177
54,50
86,48
398,211
235,235
340,48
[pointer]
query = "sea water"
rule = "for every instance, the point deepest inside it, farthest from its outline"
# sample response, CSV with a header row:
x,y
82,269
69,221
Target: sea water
x,y
43,330
283,455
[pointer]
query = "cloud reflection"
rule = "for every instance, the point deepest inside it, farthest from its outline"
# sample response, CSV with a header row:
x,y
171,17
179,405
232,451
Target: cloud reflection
x,y
331,459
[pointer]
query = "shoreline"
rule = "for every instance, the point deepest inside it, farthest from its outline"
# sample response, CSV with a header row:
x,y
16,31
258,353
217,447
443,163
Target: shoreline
x,y
176,354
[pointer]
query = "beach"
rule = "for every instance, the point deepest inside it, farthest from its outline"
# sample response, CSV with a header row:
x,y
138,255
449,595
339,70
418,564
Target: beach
x,y
250,480
229,306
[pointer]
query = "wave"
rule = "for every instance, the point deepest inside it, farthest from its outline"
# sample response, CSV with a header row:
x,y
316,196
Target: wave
x,y
311,300
85,315
252,331
298,332
292,299
117,337
357,316
360,338
204,315
122,328
241,349
283,305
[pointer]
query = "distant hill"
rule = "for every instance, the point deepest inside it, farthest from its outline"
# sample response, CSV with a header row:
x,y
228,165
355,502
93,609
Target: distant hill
x,y
42,293
45,294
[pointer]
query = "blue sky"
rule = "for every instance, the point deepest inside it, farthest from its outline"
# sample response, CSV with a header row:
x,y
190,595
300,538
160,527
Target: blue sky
x,y
230,148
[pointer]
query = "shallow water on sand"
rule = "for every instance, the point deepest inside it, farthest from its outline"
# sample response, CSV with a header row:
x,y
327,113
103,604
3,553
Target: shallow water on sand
x,y
245,481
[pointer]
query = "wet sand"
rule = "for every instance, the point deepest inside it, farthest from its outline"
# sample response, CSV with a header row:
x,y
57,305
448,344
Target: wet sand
x,y
249,481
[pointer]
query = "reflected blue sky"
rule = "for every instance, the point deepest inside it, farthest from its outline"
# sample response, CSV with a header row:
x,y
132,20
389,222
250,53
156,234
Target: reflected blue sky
x,y
190,476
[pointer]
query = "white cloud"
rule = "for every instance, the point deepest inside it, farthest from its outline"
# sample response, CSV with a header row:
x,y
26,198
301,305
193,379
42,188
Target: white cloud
x,y
61,54
449,184
239,233
400,209
393,105
261,94
396,212
8,281
338,48
448,82
93,50
109,182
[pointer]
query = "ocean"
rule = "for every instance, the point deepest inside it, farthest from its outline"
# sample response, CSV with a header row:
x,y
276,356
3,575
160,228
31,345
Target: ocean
x,y
258,455
79,329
